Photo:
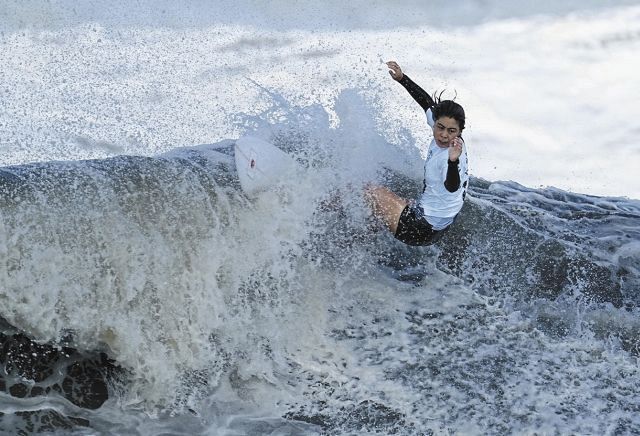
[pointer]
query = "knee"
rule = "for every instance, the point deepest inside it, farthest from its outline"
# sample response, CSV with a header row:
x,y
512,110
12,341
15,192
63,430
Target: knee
x,y
370,191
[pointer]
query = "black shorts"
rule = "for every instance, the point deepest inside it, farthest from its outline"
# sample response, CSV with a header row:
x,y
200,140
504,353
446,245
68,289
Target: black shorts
x,y
414,229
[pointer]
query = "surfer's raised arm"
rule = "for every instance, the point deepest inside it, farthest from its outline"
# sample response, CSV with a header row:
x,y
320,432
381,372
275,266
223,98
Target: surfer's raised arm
x,y
420,95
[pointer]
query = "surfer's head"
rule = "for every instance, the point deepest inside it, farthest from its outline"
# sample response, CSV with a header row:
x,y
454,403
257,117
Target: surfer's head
x,y
451,109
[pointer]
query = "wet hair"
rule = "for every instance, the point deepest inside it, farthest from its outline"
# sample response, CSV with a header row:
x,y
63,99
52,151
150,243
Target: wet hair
x,y
448,108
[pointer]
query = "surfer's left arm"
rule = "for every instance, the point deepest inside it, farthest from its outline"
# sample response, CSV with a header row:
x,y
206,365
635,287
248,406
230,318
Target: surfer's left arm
x,y
452,179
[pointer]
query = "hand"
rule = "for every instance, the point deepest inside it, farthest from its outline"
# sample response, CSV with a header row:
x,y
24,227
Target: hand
x,y
395,71
455,149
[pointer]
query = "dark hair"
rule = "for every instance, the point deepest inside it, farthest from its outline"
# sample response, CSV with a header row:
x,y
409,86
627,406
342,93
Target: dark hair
x,y
448,108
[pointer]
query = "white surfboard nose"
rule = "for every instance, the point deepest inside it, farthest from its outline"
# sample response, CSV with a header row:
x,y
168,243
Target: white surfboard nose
x,y
261,165
252,162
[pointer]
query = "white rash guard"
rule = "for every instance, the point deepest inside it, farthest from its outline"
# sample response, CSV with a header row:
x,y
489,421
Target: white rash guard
x,y
439,205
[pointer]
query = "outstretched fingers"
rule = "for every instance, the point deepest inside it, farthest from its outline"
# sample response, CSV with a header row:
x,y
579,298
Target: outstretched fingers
x,y
395,71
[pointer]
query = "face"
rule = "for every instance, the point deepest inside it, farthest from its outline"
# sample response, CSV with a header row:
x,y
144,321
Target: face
x,y
445,129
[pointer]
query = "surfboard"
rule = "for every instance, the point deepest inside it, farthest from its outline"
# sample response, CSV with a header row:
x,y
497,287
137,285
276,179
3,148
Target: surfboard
x,y
261,165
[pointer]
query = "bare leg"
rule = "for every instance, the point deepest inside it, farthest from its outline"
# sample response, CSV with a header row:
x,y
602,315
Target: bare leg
x,y
385,205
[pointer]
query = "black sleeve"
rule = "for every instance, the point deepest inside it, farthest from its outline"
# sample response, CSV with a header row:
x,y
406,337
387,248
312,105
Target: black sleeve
x,y
418,94
452,182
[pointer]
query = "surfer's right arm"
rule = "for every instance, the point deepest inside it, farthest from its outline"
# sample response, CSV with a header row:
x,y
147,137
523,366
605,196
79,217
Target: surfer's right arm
x,y
419,95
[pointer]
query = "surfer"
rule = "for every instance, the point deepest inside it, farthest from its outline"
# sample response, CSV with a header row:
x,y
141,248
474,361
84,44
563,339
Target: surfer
x,y
422,221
